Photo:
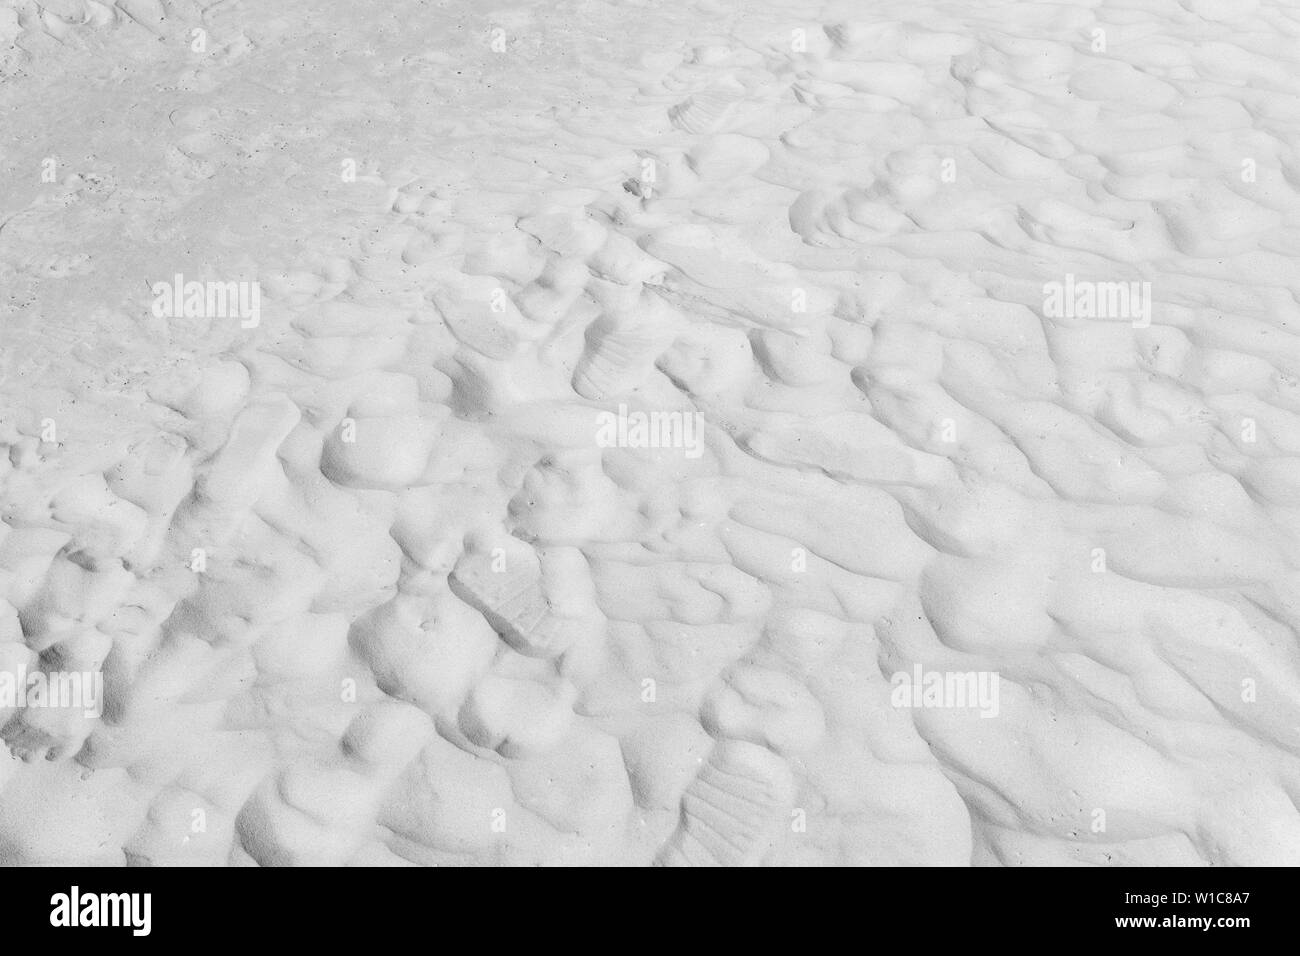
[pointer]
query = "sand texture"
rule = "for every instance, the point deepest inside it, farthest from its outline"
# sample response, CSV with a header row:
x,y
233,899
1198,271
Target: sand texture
x,y
715,432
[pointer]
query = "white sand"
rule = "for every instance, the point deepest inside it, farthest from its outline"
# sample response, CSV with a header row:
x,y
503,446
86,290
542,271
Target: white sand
x,y
945,348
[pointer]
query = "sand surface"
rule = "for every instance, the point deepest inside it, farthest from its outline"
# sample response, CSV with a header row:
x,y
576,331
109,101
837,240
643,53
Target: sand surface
x,y
704,432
